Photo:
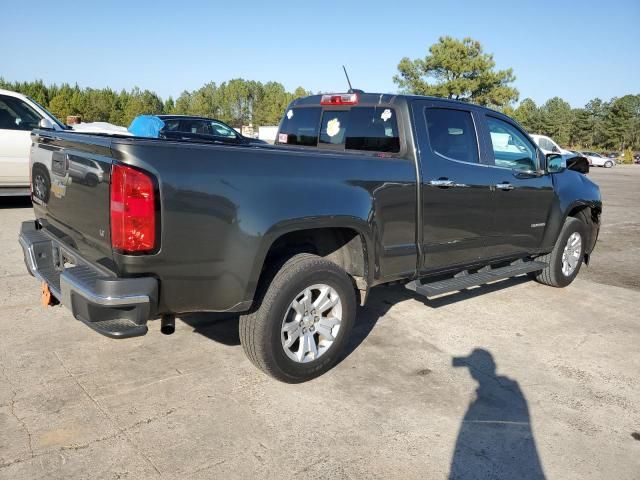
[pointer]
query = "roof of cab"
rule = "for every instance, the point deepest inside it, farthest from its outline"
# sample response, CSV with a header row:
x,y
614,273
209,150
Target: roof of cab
x,y
382,98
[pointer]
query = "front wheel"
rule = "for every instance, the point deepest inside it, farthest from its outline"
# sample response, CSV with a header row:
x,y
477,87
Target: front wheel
x,y
302,319
565,260
608,164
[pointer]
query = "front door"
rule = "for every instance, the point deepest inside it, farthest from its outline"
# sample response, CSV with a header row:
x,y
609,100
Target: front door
x,y
456,187
523,192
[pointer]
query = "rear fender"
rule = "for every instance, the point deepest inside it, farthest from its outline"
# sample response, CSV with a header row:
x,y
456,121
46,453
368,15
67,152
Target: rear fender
x,y
359,225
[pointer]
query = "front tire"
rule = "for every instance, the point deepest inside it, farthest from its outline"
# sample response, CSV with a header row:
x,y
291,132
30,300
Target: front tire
x,y
565,260
301,321
608,164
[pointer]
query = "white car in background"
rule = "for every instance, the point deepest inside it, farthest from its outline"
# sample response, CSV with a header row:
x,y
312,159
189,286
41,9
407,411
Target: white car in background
x,y
598,160
547,145
19,115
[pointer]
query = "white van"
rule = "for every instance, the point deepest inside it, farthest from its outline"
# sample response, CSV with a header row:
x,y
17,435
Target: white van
x,y
547,145
19,115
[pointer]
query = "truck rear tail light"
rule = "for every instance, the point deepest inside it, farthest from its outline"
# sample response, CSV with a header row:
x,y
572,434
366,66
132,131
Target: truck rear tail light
x,y
133,210
339,99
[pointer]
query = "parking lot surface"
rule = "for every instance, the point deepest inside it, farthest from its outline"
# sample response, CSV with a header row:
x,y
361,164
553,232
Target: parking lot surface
x,y
509,380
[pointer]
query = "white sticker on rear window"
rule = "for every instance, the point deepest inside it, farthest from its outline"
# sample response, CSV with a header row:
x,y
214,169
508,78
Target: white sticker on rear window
x,y
386,115
283,137
290,114
333,127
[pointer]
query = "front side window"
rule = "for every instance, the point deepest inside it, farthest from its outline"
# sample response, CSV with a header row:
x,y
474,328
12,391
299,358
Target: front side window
x,y
17,115
220,130
452,134
511,149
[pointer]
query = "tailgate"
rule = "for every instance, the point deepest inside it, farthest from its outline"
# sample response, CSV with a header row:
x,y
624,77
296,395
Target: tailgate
x,y
70,175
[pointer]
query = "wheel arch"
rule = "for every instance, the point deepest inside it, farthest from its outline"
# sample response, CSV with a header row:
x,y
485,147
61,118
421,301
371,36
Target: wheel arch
x,y
347,242
586,211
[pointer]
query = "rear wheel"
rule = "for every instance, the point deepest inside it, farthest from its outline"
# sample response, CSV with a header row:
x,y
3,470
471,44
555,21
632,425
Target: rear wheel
x,y
565,260
302,320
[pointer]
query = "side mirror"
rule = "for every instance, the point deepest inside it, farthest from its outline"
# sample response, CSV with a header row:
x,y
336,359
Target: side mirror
x,y
555,163
45,124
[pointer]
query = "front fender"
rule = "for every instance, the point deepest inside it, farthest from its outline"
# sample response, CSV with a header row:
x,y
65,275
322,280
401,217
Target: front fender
x,y
573,191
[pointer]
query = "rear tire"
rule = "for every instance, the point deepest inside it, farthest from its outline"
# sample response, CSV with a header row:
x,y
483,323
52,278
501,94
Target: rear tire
x,y
275,322
565,260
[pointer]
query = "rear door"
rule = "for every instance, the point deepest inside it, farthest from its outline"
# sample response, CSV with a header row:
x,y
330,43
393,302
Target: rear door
x,y
457,197
523,192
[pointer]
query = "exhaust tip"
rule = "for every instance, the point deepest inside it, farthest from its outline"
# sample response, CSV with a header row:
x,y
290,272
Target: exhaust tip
x,y
168,324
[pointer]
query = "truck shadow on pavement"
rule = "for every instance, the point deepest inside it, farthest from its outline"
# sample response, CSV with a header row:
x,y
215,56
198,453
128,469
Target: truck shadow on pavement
x,y
495,439
223,327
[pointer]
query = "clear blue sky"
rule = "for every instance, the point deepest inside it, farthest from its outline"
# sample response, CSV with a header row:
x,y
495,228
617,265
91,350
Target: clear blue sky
x,y
576,50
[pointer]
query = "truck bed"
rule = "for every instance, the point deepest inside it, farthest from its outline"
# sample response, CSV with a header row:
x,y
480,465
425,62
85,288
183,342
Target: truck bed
x,y
220,207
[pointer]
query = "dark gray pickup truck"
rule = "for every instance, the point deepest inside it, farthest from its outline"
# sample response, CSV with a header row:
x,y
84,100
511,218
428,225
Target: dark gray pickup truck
x,y
360,190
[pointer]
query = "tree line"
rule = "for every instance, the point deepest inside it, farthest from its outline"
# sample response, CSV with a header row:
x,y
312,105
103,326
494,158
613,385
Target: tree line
x,y
237,102
603,125
461,70
453,68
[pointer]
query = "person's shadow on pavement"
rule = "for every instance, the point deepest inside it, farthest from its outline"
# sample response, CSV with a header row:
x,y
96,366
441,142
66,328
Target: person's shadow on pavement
x,y
495,439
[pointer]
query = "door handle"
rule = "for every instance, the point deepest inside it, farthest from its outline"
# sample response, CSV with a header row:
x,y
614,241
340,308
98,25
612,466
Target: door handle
x,y
504,186
442,182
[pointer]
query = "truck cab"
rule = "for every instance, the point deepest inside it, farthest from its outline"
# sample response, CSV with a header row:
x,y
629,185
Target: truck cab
x,y
484,189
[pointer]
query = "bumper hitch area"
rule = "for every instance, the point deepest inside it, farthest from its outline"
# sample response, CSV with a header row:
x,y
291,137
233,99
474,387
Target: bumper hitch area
x,y
115,307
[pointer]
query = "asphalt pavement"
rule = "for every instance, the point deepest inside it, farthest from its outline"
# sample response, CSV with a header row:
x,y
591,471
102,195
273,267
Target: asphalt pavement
x,y
510,380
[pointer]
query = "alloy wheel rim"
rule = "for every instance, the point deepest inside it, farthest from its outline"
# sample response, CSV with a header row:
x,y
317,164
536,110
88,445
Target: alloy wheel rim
x,y
311,324
571,254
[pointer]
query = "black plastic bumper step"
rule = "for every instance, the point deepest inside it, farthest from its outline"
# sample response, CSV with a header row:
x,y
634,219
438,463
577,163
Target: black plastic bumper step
x,y
118,328
463,281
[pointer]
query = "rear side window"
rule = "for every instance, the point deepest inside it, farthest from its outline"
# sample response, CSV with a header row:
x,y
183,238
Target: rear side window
x,y
171,125
300,127
452,134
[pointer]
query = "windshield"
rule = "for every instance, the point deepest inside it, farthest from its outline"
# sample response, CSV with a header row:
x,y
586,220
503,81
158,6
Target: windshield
x,y
51,115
